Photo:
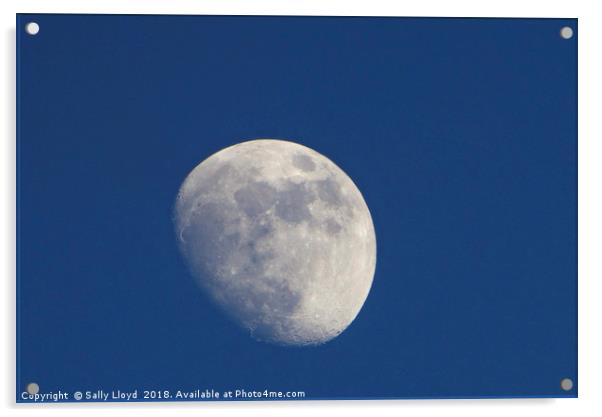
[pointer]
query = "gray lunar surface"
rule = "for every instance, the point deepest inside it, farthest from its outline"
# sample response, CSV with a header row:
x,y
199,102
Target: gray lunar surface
x,y
280,238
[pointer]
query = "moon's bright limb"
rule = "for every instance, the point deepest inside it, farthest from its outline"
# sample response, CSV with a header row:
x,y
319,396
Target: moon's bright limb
x,y
280,238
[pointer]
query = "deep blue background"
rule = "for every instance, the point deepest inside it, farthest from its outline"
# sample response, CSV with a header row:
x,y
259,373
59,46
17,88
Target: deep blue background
x,y
460,133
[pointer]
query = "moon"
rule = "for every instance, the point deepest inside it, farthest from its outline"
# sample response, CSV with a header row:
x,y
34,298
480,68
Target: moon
x,y
280,238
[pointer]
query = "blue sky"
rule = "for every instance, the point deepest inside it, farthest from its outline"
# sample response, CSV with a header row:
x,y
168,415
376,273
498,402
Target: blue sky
x,y
460,133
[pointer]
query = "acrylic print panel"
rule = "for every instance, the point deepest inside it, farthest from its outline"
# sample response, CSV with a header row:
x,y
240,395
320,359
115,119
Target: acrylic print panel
x,y
278,208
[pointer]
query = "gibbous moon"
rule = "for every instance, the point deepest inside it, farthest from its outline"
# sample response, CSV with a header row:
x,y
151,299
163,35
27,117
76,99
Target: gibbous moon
x,y
280,238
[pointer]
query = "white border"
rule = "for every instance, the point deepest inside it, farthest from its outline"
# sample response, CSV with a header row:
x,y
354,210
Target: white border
x,y
590,201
